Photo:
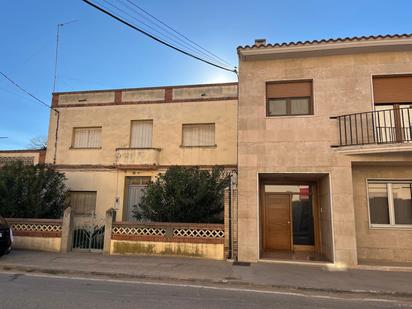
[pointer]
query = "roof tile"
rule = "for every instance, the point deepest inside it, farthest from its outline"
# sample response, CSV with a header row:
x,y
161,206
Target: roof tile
x,y
335,40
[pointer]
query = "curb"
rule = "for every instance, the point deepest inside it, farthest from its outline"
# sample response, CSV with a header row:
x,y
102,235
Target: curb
x,y
49,271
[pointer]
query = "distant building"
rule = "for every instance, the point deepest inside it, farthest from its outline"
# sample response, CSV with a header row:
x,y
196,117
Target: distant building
x,y
27,156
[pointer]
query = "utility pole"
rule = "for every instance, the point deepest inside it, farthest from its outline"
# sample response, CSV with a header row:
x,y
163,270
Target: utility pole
x,y
57,51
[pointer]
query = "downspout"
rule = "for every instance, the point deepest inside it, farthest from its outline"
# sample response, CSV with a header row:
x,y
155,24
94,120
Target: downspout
x,y
235,256
57,135
230,220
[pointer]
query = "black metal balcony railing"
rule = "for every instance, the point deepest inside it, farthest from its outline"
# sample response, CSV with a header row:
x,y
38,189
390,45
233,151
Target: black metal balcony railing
x,y
375,127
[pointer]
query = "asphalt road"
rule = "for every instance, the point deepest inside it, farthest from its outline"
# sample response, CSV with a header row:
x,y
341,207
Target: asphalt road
x,y
43,291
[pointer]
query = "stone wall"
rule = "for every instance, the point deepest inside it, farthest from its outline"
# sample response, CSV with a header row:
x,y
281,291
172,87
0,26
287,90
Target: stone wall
x,y
379,244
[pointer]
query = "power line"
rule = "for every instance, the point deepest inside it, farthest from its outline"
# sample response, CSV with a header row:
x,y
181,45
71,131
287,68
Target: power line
x,y
157,39
165,32
177,32
185,41
27,92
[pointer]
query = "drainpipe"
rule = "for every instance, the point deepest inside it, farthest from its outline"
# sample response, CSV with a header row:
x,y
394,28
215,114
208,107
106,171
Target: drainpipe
x,y
233,253
57,135
230,220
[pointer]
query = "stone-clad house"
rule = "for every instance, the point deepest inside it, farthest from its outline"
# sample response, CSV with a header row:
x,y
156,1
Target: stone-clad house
x,y
324,151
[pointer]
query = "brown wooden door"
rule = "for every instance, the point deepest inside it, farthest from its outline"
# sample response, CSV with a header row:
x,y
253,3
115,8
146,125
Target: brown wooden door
x,y
277,222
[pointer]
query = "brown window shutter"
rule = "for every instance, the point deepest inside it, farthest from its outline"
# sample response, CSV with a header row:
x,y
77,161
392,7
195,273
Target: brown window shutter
x,y
392,89
290,89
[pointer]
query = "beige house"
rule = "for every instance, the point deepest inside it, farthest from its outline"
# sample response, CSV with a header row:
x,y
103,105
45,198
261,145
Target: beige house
x,y
325,152
111,143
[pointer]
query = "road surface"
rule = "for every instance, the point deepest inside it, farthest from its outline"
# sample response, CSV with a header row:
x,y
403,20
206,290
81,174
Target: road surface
x,y
48,291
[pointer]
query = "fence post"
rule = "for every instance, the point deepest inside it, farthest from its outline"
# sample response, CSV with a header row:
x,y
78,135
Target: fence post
x,y
66,239
110,218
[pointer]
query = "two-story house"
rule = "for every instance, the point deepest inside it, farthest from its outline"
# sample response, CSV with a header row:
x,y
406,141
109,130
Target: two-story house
x,y
111,143
325,152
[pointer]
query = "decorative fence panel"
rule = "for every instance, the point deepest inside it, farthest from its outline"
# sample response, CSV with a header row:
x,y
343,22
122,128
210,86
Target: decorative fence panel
x,y
36,227
36,234
179,232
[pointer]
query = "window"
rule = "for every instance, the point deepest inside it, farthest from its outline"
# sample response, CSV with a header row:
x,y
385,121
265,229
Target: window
x,y
198,135
289,98
87,137
396,89
141,135
83,202
390,203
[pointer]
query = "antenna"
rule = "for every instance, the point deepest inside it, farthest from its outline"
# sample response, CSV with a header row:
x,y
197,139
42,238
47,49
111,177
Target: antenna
x,y
57,50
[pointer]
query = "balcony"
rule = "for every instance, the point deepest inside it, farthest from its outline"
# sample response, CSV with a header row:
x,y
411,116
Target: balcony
x,y
379,127
129,157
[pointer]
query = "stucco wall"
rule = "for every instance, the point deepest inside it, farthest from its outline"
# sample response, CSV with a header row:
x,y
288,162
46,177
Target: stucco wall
x,y
387,244
302,144
108,184
51,244
203,250
167,132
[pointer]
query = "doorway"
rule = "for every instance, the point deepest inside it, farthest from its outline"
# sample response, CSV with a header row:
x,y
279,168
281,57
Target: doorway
x,y
134,189
290,221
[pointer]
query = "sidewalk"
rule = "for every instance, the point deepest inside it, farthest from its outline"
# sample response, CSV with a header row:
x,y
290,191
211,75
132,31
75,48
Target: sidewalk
x,y
288,276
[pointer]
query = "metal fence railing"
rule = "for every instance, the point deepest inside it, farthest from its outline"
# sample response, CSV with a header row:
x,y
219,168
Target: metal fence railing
x,y
375,127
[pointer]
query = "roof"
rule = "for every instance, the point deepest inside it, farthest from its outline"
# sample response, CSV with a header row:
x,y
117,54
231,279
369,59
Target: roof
x,y
328,41
21,150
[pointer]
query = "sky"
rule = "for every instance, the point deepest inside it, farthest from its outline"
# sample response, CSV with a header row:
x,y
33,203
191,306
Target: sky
x,y
98,52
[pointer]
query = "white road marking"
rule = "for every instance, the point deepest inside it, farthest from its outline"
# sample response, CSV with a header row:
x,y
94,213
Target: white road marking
x,y
206,287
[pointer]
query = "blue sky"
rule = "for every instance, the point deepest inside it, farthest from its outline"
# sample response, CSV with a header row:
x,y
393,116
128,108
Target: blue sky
x,y
97,52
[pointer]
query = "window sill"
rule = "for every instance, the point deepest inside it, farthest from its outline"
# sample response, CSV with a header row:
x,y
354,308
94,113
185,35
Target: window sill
x,y
85,148
206,146
290,116
398,227
139,148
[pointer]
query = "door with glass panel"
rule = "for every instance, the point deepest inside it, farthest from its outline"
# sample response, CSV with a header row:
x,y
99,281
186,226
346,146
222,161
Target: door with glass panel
x,y
135,187
393,123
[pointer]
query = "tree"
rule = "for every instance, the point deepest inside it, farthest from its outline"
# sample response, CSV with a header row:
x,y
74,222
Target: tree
x,y
31,191
38,142
185,194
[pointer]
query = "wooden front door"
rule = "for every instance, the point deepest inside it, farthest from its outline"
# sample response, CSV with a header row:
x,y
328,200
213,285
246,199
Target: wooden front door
x,y
277,222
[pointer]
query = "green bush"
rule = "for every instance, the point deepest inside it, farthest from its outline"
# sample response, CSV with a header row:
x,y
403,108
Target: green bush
x,y
31,191
185,194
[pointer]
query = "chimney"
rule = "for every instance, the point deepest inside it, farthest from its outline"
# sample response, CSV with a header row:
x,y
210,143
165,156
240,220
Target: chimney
x,y
260,42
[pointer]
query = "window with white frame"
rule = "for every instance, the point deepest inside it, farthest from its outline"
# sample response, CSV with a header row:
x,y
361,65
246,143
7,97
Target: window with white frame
x,y
390,203
198,135
87,137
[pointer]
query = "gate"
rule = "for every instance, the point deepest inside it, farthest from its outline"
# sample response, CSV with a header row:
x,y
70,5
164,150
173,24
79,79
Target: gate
x,y
88,233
